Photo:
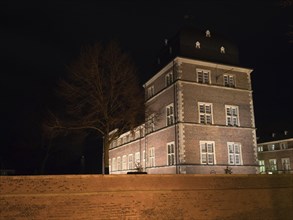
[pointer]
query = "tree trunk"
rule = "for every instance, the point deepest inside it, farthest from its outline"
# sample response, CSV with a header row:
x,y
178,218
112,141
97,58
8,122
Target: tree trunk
x,y
106,155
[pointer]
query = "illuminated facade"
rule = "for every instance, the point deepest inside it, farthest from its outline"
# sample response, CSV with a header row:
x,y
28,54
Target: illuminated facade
x,y
200,116
275,154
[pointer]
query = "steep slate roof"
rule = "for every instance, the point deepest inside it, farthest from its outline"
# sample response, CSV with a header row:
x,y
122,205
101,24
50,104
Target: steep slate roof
x,y
183,45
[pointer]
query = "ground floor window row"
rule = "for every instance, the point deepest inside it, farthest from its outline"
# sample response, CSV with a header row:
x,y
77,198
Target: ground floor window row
x,y
274,165
207,156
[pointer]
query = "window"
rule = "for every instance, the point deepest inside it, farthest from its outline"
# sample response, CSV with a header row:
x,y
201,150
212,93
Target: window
x,y
260,148
261,164
273,164
170,114
151,91
271,147
137,157
110,167
137,135
229,80
118,163
130,161
124,162
169,78
197,45
152,157
151,123
208,33
284,145
207,149
171,153
222,49
286,164
232,115
234,153
114,164
205,113
203,76
143,158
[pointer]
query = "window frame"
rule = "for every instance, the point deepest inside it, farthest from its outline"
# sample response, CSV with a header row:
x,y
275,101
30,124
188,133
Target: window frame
x,y
169,78
227,82
171,155
170,115
262,167
205,114
233,154
152,162
201,76
231,116
207,153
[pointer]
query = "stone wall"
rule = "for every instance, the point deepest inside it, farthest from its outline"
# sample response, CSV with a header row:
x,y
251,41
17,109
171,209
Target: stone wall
x,y
147,197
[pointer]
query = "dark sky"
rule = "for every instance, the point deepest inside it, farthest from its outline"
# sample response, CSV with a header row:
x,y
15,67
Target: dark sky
x,y
39,40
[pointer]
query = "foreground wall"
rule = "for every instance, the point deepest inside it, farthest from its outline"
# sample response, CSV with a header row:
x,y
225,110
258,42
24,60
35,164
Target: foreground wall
x,y
147,197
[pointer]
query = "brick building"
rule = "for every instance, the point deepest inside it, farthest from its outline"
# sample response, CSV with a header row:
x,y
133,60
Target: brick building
x,y
200,116
275,153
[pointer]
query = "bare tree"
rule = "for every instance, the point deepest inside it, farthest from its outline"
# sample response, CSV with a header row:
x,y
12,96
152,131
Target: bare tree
x,y
101,92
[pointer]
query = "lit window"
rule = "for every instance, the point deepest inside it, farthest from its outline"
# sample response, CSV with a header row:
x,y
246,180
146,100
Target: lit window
x,y
170,114
207,150
197,45
143,157
130,161
118,163
234,153
171,153
273,164
229,81
261,164
205,113
124,162
208,33
222,49
137,157
152,157
169,78
110,167
260,148
232,115
114,164
203,76
286,163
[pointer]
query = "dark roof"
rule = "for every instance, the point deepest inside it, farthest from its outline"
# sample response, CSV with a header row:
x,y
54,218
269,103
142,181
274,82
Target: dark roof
x,y
183,45
275,136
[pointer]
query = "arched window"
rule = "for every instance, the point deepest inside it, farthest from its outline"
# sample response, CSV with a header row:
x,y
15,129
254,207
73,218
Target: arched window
x,y
222,49
208,33
197,45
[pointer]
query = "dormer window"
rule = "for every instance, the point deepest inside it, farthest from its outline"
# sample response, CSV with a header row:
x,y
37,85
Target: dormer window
x,y
197,45
222,49
208,33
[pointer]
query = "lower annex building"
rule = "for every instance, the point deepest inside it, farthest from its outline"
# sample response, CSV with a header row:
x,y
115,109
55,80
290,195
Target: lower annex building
x,y
200,116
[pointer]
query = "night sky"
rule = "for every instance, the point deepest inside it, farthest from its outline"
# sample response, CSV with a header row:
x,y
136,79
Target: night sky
x,y
39,40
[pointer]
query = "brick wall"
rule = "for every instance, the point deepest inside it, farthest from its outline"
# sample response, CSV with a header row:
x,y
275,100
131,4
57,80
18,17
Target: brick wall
x,y
147,197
